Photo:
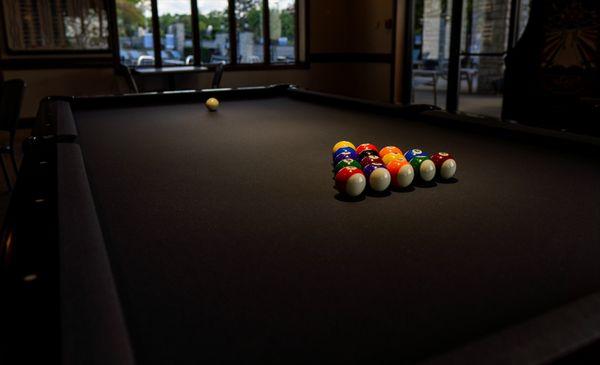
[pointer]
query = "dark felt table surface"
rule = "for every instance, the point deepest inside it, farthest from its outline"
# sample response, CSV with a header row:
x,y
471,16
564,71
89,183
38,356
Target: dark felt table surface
x,y
228,243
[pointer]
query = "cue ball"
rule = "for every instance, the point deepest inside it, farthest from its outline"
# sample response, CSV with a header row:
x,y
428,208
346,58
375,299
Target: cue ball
x,y
212,104
445,164
351,181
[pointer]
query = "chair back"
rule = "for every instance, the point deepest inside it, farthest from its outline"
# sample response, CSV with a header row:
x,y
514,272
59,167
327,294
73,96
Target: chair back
x,y
216,81
122,70
11,99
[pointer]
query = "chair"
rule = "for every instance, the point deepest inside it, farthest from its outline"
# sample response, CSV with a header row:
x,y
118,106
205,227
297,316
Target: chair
x,y
216,81
11,99
124,71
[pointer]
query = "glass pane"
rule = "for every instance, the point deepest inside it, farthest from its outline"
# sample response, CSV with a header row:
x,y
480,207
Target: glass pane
x,y
55,25
282,19
175,19
134,21
431,51
249,30
484,41
214,30
523,16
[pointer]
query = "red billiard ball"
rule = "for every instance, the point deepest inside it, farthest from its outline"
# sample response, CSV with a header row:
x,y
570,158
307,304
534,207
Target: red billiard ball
x,y
444,164
367,160
364,147
351,181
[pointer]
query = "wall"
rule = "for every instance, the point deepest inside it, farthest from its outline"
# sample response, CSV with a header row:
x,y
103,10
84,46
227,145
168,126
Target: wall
x,y
337,27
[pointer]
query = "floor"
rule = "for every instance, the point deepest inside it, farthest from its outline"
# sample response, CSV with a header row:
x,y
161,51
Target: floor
x,y
4,193
489,105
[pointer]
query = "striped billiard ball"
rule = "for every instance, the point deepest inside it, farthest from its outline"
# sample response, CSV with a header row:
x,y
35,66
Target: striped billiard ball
x,y
424,167
351,181
444,164
402,173
378,177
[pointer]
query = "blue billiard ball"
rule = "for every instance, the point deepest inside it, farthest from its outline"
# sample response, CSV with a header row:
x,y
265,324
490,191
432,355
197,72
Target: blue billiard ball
x,y
412,153
344,155
343,149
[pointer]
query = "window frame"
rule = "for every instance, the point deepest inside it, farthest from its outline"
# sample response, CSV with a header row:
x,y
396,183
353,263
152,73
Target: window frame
x,y
110,58
233,63
8,50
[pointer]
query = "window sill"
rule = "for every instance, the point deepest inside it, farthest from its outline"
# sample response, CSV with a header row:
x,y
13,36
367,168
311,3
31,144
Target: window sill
x,y
49,62
141,70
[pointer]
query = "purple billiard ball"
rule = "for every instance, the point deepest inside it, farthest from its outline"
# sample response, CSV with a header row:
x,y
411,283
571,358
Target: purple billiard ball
x,y
378,176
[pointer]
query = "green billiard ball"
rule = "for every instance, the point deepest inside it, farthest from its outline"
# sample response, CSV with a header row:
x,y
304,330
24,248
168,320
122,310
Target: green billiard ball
x,y
424,167
345,163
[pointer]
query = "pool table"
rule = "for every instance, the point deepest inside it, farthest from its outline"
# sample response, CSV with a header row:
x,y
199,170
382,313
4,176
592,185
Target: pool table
x,y
144,228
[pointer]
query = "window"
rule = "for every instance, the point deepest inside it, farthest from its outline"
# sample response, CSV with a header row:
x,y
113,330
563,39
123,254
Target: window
x,y
136,45
175,19
55,25
203,32
282,30
250,36
214,31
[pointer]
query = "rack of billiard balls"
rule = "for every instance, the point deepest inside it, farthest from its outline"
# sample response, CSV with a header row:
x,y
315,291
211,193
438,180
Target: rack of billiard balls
x,y
358,168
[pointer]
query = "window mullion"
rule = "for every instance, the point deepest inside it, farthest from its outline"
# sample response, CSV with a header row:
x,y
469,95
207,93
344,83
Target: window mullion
x,y
266,33
196,33
232,34
297,30
156,34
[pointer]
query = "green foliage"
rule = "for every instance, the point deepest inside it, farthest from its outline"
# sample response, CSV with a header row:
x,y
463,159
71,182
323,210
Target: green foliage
x,y
168,19
248,13
130,17
217,19
288,24
249,16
